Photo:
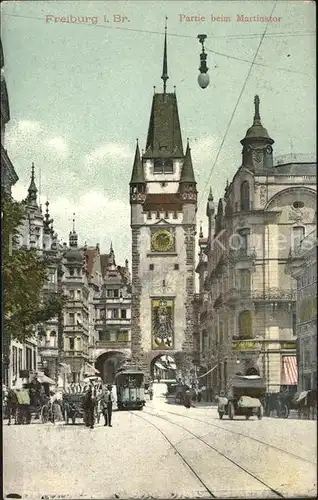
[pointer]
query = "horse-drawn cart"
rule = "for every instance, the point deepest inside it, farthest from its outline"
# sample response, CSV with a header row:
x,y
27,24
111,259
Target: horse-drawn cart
x,y
73,405
245,397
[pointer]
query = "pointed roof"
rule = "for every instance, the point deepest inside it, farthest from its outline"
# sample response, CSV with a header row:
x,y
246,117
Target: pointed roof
x,y
32,191
137,176
257,131
164,138
165,76
47,222
210,197
187,174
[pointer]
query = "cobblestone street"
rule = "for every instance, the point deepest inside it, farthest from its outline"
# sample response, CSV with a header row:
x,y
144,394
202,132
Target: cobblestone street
x,y
166,451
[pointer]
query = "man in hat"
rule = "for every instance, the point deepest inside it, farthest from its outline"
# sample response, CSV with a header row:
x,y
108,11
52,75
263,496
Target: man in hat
x,y
107,401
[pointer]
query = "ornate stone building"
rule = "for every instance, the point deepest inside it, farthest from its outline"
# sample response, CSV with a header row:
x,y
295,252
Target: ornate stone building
x,y
113,317
163,199
267,207
302,265
8,174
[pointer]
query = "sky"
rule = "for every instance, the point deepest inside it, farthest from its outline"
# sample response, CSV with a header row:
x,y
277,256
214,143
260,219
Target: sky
x,y
80,94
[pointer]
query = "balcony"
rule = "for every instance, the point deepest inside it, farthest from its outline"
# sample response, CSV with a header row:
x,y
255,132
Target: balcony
x,y
104,322
243,345
235,295
75,354
76,329
113,344
242,255
48,352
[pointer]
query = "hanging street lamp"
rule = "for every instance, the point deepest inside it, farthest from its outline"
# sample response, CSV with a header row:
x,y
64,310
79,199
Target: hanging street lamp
x,y
203,78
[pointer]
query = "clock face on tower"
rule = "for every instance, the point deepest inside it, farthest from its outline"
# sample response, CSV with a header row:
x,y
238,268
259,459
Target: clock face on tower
x,y
162,241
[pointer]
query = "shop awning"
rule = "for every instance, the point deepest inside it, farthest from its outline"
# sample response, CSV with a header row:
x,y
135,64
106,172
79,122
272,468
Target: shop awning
x,y
90,370
289,371
160,366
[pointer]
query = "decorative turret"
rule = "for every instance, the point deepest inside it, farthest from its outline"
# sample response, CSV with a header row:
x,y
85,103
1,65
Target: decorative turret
x,y
187,184
210,209
257,144
137,182
47,222
32,191
73,238
111,256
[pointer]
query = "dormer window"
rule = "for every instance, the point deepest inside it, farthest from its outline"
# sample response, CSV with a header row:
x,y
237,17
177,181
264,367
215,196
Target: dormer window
x,y
163,166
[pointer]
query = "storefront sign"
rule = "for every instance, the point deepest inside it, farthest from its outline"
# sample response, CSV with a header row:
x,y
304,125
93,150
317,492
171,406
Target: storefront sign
x,y
291,345
246,345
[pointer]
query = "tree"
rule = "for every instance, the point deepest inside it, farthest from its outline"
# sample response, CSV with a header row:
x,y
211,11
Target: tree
x,y
24,274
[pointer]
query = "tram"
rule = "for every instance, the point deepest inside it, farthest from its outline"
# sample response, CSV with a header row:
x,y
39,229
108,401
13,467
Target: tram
x,y
130,386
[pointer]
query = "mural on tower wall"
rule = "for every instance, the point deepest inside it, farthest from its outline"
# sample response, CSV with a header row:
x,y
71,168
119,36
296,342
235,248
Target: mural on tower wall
x,y
162,321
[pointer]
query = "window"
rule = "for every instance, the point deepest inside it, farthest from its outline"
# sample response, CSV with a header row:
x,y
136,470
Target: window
x,y
14,360
298,236
34,359
245,325
28,353
72,294
72,318
102,314
71,272
53,339
175,214
148,215
163,166
123,314
78,271
166,215
79,294
245,197
20,354
114,314
176,267
116,294
157,214
294,323
244,236
123,336
72,343
151,267
110,294
244,281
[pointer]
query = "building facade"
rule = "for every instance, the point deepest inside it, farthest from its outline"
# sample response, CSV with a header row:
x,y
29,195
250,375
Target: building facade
x,y
163,199
268,207
8,174
302,266
113,317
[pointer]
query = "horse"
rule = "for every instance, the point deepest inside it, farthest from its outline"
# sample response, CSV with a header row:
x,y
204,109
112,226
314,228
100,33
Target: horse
x,y
12,406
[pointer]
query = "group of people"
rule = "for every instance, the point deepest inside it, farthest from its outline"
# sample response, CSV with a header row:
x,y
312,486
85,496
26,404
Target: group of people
x,y
98,396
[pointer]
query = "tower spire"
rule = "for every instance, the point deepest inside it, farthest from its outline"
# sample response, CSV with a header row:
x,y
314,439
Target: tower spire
x,y
165,76
257,118
32,191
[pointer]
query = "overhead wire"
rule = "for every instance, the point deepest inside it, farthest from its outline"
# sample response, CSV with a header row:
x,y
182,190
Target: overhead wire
x,y
166,279
232,36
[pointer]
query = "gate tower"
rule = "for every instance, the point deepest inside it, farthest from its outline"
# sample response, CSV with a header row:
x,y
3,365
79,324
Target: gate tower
x,y
163,200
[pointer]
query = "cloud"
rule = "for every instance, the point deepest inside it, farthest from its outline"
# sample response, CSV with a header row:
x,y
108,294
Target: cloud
x,y
109,150
95,214
59,145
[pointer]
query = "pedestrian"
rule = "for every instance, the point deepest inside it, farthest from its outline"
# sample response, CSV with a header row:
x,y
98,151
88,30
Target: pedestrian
x,y
150,392
187,399
199,394
89,407
107,401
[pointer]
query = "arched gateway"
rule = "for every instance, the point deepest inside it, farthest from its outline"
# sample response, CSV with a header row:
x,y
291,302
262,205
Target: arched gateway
x,y
108,364
163,200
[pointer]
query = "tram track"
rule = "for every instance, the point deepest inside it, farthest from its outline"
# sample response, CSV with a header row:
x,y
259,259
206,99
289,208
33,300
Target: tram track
x,y
201,440
230,431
